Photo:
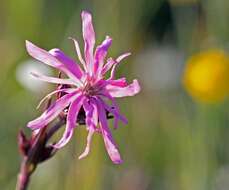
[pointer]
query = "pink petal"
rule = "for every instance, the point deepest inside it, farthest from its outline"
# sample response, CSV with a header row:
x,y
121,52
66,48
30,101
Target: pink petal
x,y
91,114
113,63
42,55
89,38
115,111
87,148
49,59
52,112
118,82
100,54
129,90
123,56
107,136
71,66
108,65
52,79
71,121
66,90
79,53
118,60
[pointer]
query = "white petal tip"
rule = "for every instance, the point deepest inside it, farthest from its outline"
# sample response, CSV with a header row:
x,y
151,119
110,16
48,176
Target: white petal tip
x,y
27,42
136,85
56,146
81,156
84,154
86,14
29,46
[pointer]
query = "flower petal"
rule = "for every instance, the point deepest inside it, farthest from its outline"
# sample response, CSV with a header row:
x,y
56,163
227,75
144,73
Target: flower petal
x,y
129,90
42,55
88,146
118,60
52,112
118,82
89,38
107,136
79,53
52,79
71,66
115,111
108,65
66,90
47,58
123,56
100,54
113,108
91,112
71,122
113,63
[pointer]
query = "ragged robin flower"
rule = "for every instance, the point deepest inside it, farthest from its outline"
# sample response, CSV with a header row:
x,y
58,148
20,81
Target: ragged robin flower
x,y
86,88
206,76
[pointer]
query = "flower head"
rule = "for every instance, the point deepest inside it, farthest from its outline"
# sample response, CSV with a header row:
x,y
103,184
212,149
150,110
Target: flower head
x,y
206,76
85,88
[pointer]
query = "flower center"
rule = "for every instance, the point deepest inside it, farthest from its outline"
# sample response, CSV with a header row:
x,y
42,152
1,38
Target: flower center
x,y
89,90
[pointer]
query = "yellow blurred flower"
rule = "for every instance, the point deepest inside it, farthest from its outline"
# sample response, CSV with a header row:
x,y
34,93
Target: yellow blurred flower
x,y
206,76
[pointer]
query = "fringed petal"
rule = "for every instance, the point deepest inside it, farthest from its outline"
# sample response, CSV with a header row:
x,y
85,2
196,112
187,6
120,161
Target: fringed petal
x,y
47,58
70,64
91,113
113,64
89,39
52,112
118,60
42,55
66,90
88,145
118,82
100,54
77,48
110,145
71,122
52,79
113,109
129,90
110,62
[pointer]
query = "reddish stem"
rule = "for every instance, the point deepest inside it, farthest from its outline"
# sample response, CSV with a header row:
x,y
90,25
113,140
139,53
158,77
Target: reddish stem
x,y
36,154
23,177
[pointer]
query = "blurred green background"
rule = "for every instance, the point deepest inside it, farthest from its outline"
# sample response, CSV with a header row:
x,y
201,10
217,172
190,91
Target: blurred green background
x,y
172,142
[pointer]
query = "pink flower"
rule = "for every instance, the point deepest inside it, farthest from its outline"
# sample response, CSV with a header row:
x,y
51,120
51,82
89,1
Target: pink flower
x,y
86,89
